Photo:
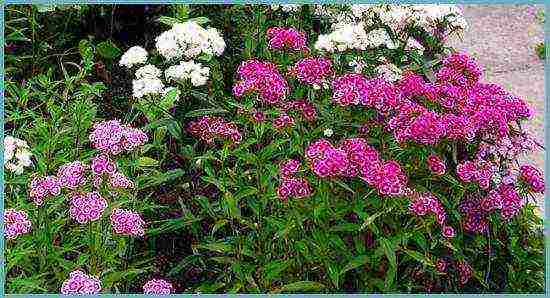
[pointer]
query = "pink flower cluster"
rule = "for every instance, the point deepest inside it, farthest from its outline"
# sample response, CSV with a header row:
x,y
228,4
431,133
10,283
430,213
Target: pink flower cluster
x,y
16,223
476,171
157,287
282,121
464,271
79,283
441,265
355,89
112,137
424,203
43,187
306,108
126,222
354,157
292,186
312,70
72,175
118,180
436,164
469,107
208,128
459,69
474,218
87,207
415,122
102,166
505,198
262,77
281,38
533,177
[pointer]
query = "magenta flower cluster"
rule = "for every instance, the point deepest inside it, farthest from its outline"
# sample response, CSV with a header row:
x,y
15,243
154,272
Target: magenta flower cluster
x,y
282,38
127,222
424,203
87,207
41,188
533,177
505,198
436,164
474,218
209,128
355,89
79,283
282,121
469,107
304,107
352,158
312,70
441,265
290,185
16,223
263,78
111,137
72,175
157,287
105,168
464,272
479,171
460,70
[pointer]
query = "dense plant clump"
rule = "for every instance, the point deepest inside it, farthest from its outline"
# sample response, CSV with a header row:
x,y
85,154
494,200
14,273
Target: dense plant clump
x,y
283,148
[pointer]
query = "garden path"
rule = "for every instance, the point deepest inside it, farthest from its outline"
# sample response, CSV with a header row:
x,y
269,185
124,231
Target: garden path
x,y
503,38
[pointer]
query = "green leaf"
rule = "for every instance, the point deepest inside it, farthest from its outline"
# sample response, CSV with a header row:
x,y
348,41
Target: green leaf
x,y
300,286
355,263
274,268
220,247
389,251
147,162
168,101
168,20
345,227
200,20
108,50
419,257
204,112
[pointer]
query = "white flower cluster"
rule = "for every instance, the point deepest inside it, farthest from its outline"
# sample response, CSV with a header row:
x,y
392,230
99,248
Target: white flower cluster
x,y
16,155
134,55
431,18
358,64
389,71
188,70
286,7
350,36
186,40
189,40
147,81
428,17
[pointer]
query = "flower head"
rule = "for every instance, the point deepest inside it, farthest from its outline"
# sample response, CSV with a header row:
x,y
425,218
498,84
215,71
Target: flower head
x,y
81,283
127,222
86,207
16,222
157,287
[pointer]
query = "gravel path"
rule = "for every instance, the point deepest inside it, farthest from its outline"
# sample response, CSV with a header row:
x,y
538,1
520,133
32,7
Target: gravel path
x,y
502,38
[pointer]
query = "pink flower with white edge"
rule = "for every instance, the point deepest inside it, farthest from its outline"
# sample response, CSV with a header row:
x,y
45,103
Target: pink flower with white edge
x,y
126,222
43,187
86,208
79,283
157,287
436,164
16,223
